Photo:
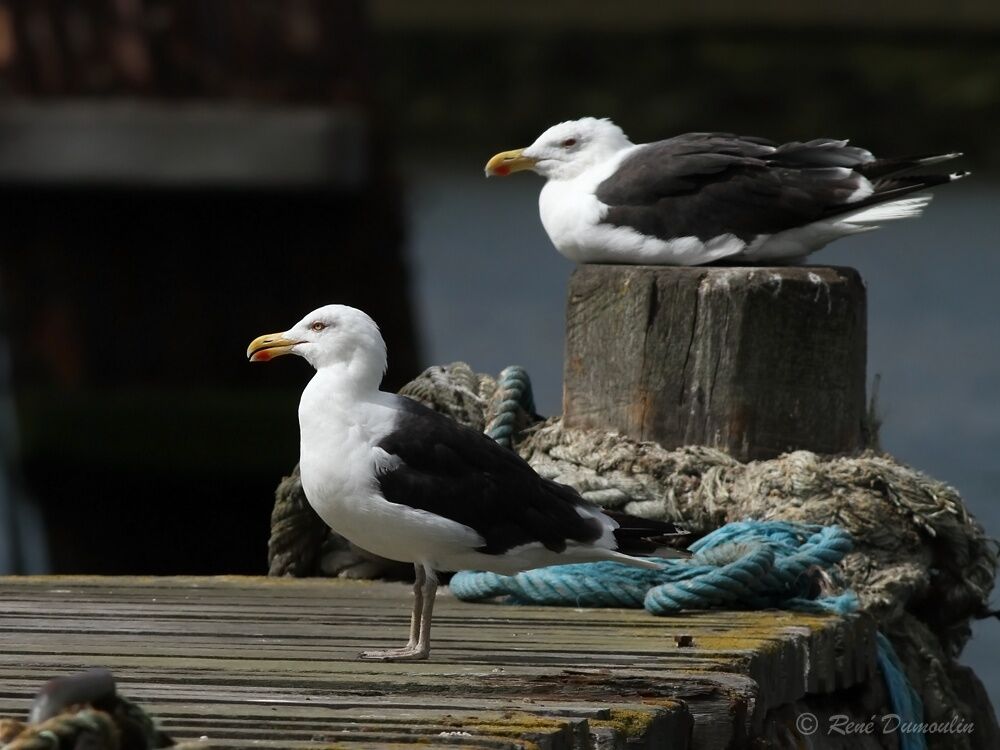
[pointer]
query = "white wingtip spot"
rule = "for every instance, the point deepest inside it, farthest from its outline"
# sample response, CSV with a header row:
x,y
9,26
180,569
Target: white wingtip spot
x,y
904,208
863,190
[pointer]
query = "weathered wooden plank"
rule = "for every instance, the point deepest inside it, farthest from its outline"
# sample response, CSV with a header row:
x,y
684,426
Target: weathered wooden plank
x,y
756,361
646,653
225,657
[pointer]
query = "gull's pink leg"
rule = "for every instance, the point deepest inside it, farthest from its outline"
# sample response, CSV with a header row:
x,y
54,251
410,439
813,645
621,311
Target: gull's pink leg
x,y
418,647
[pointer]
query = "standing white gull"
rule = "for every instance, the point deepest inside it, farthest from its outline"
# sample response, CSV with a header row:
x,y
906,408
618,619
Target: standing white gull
x,y
409,484
704,197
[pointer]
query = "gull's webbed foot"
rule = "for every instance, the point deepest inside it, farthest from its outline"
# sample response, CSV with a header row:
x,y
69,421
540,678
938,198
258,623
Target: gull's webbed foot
x,y
406,653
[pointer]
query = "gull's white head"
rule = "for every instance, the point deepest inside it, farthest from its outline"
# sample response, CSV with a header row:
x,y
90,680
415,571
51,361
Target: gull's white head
x,y
332,336
564,151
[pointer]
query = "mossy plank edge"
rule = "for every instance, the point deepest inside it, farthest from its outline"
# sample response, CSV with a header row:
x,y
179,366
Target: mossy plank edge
x,y
669,724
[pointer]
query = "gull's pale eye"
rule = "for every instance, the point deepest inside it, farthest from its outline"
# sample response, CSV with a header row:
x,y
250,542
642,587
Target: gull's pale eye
x,y
318,326
569,142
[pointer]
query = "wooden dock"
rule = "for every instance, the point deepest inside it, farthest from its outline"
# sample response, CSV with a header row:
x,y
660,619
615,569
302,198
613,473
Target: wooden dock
x,y
267,663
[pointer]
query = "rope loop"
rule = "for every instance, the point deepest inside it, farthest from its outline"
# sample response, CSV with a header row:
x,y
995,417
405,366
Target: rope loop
x,y
515,399
747,564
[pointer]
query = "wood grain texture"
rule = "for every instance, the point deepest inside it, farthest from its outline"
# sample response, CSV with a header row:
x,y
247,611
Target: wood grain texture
x,y
272,663
755,361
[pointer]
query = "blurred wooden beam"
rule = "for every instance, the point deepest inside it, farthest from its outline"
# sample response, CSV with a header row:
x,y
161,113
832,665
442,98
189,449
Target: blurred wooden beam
x,y
517,16
163,144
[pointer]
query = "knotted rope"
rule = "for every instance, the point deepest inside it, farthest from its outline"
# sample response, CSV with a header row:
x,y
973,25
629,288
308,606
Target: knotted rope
x,y
84,710
65,730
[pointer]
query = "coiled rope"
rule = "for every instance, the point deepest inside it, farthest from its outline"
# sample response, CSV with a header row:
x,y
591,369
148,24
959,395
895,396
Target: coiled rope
x,y
746,565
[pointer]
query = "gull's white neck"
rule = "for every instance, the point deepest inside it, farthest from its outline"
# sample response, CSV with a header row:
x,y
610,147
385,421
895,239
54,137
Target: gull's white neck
x,y
338,404
342,403
346,381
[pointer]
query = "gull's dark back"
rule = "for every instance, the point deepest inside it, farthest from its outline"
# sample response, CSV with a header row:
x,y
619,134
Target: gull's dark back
x,y
707,184
461,474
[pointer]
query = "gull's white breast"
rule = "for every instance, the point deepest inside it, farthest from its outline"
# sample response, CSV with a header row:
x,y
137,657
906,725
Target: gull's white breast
x,y
338,459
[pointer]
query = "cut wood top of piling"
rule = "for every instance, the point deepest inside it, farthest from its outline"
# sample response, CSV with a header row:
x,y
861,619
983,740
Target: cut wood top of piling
x,y
754,361
273,663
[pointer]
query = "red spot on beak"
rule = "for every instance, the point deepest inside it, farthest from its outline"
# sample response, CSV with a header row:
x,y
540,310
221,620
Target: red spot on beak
x,y
503,170
261,356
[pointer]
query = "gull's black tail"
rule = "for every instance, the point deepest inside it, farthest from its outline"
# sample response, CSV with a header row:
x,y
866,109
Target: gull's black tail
x,y
883,168
894,178
646,537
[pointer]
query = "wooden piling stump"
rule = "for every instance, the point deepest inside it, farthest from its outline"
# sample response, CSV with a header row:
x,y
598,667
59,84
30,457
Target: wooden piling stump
x,y
755,361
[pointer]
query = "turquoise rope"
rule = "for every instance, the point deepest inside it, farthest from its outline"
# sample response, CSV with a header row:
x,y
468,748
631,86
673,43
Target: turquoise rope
x,y
514,387
902,697
746,565
743,565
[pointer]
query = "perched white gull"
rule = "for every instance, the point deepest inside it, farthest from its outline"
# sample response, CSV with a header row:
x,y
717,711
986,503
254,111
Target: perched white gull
x,y
704,197
409,484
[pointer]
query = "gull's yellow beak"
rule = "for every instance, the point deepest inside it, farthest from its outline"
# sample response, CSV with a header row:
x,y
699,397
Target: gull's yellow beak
x,y
269,346
508,162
